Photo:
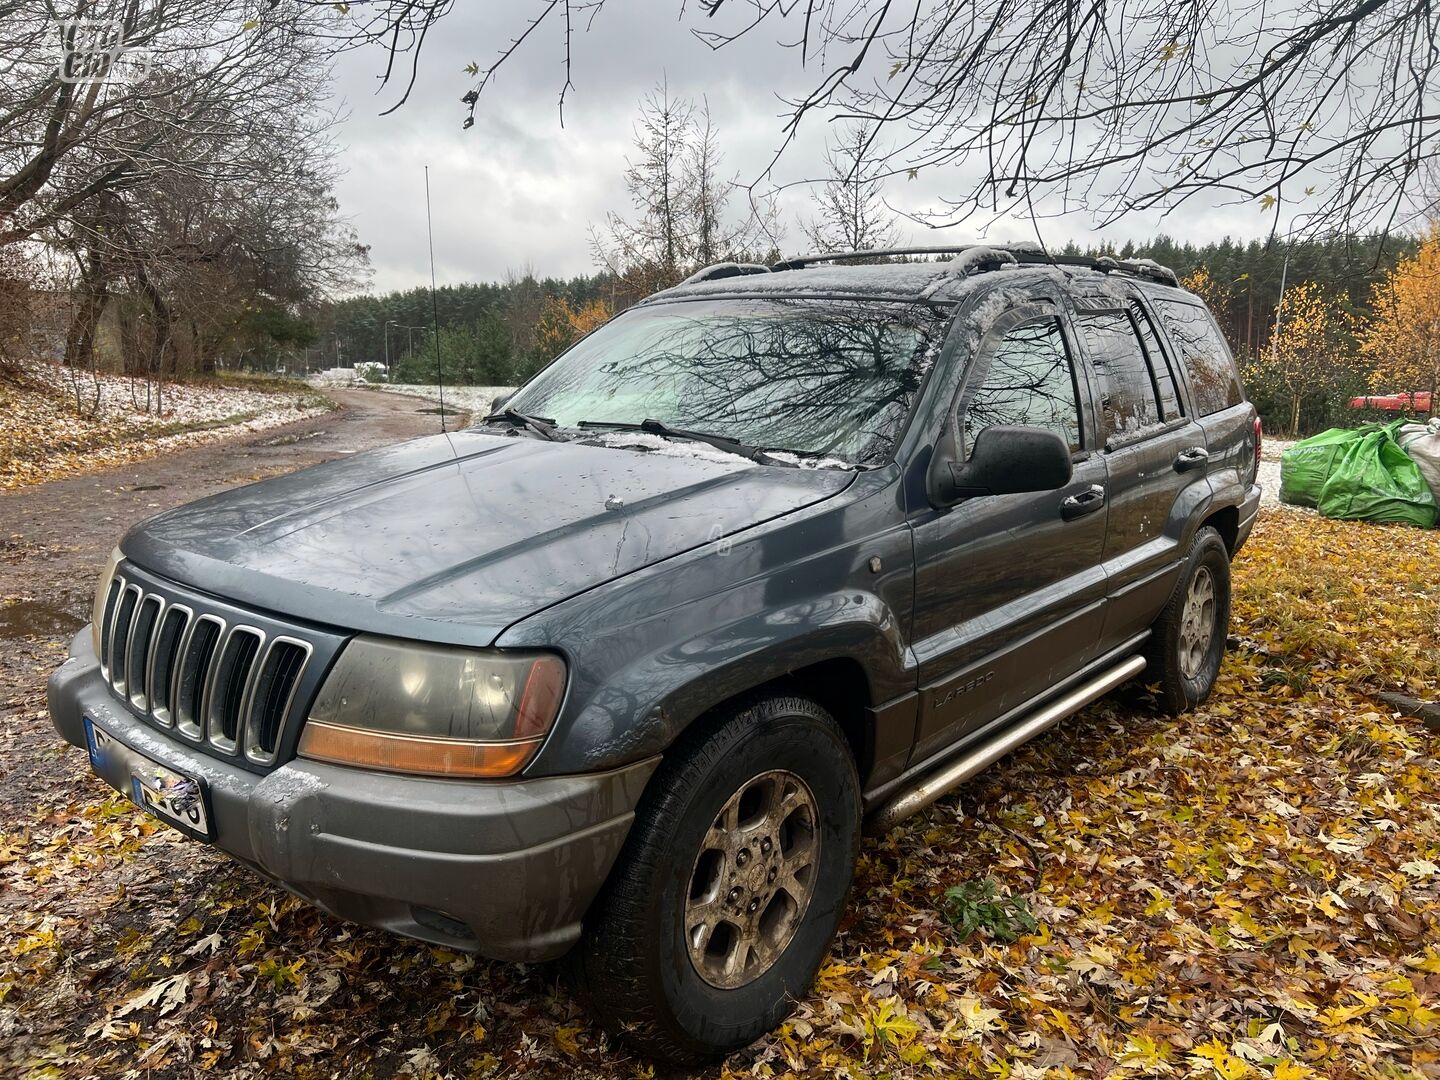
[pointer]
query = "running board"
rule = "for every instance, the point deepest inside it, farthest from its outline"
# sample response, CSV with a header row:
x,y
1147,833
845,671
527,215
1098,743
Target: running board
x,y
924,790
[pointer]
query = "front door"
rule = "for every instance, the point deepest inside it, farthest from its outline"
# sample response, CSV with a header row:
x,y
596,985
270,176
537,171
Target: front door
x,y
1009,590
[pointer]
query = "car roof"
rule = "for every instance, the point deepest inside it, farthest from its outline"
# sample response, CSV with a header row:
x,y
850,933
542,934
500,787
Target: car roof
x,y
947,280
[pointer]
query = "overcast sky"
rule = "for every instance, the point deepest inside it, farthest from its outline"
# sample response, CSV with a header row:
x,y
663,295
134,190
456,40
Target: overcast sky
x,y
518,191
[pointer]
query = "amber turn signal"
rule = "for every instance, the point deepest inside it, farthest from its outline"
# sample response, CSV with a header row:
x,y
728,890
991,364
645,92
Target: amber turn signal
x,y
422,755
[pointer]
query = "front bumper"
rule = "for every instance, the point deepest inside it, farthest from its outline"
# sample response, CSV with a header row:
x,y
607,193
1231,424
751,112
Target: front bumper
x,y
504,869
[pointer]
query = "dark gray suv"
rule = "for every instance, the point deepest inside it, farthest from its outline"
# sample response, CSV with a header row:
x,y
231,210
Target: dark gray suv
x,y
620,673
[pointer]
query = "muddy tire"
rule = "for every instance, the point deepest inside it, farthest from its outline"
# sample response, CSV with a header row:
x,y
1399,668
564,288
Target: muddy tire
x,y
1187,643
724,901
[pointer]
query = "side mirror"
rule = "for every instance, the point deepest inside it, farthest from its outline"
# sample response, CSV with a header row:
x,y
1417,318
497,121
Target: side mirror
x,y
1006,460
498,401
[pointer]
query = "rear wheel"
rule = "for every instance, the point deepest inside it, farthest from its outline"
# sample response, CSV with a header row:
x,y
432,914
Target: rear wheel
x,y
725,899
1187,643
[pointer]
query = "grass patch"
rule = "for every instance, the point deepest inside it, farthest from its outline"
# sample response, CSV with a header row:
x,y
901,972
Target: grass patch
x,y
981,906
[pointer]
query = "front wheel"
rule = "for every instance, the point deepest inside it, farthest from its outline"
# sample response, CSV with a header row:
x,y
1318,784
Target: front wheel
x,y
1187,643
725,899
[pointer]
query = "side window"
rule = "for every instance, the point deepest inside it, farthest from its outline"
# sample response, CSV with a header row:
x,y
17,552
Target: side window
x,y
1204,353
1131,399
1160,370
1027,377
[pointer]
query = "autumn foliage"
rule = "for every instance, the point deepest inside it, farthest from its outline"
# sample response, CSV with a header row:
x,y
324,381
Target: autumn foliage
x,y
1248,892
1402,341
1310,350
561,325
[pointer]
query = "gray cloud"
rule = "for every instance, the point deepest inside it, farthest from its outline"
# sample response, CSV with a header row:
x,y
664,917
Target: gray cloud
x,y
517,190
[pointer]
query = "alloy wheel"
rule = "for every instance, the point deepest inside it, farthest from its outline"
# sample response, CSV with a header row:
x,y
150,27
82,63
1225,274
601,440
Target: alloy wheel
x,y
1197,622
753,879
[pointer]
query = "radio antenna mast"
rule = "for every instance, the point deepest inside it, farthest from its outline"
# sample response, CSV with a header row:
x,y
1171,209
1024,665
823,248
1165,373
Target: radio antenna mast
x,y
434,303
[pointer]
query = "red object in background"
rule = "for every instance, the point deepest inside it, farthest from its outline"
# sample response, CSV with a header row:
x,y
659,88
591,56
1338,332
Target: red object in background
x,y
1420,401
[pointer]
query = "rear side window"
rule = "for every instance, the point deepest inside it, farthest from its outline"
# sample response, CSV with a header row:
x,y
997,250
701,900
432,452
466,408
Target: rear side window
x,y
1131,398
1204,354
1026,378
1160,370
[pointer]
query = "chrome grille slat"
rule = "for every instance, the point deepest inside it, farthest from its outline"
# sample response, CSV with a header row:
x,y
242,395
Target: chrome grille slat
x,y
231,679
120,636
142,646
225,685
107,622
275,688
160,678
197,671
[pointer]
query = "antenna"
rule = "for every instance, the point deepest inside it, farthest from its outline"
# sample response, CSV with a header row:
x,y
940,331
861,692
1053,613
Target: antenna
x,y
434,304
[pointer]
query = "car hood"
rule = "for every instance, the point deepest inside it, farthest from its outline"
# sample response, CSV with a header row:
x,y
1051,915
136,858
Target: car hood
x,y
455,537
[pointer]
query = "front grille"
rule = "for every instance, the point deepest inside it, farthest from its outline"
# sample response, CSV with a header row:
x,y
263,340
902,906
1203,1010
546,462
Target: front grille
x,y
229,681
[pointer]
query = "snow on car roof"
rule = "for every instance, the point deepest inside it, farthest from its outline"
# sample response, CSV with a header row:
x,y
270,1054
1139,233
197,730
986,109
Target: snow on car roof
x,y
944,280
908,280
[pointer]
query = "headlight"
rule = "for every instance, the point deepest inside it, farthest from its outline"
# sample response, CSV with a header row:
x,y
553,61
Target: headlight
x,y
438,710
102,591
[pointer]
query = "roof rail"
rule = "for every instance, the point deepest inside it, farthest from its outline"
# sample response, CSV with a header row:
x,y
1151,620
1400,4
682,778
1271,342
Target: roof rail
x,y
724,270
1108,264
799,262
1027,252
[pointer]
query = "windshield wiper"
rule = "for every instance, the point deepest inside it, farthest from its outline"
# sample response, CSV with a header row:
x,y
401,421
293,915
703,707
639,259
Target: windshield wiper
x,y
540,425
720,442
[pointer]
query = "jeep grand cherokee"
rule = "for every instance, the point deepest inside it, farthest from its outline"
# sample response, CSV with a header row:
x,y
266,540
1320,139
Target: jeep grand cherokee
x,y
619,673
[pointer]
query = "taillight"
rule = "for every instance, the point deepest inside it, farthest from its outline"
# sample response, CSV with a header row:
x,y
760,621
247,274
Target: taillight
x,y
1259,441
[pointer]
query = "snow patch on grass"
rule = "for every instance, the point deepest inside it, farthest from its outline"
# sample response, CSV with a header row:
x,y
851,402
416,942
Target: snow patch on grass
x,y
45,434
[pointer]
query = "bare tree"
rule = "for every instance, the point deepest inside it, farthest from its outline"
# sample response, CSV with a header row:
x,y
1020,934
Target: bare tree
x,y
717,231
850,210
657,237
112,107
683,201
194,187
1322,112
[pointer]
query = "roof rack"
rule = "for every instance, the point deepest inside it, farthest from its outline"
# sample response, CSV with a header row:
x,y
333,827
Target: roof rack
x,y
1027,252
1106,264
970,258
799,262
724,270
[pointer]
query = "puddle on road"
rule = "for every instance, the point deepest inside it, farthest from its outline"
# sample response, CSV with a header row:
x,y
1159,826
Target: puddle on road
x,y
436,412
33,618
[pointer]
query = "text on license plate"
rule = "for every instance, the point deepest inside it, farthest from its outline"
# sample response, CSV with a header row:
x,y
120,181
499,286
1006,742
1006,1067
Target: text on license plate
x,y
173,797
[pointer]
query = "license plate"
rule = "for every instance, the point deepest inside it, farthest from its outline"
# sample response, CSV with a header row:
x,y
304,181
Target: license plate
x,y
173,797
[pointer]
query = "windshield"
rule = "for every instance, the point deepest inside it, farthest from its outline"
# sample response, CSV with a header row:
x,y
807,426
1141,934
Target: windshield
x,y
820,378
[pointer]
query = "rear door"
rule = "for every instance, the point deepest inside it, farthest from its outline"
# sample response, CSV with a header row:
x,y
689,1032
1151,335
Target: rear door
x,y
1010,592
1217,399
1155,454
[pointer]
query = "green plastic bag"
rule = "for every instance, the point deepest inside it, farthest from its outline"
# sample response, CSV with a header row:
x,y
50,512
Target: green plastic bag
x,y
1306,466
1376,480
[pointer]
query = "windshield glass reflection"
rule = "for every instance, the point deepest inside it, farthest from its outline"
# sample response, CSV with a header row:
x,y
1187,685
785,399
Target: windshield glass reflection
x,y
821,378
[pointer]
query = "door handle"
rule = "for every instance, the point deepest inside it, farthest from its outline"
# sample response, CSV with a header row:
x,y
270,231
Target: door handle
x,y
1086,502
1191,458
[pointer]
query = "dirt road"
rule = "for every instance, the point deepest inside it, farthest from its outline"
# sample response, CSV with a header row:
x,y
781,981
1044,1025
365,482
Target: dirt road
x,y
54,539
99,903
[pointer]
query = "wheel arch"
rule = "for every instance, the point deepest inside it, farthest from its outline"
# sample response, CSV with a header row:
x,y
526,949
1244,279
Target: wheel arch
x,y
839,685
1225,521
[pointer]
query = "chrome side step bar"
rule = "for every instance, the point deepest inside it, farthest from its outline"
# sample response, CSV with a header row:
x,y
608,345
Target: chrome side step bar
x,y
924,790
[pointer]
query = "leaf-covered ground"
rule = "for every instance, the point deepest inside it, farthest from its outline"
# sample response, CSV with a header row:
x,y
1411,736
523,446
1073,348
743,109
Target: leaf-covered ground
x,y
55,422
1252,890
